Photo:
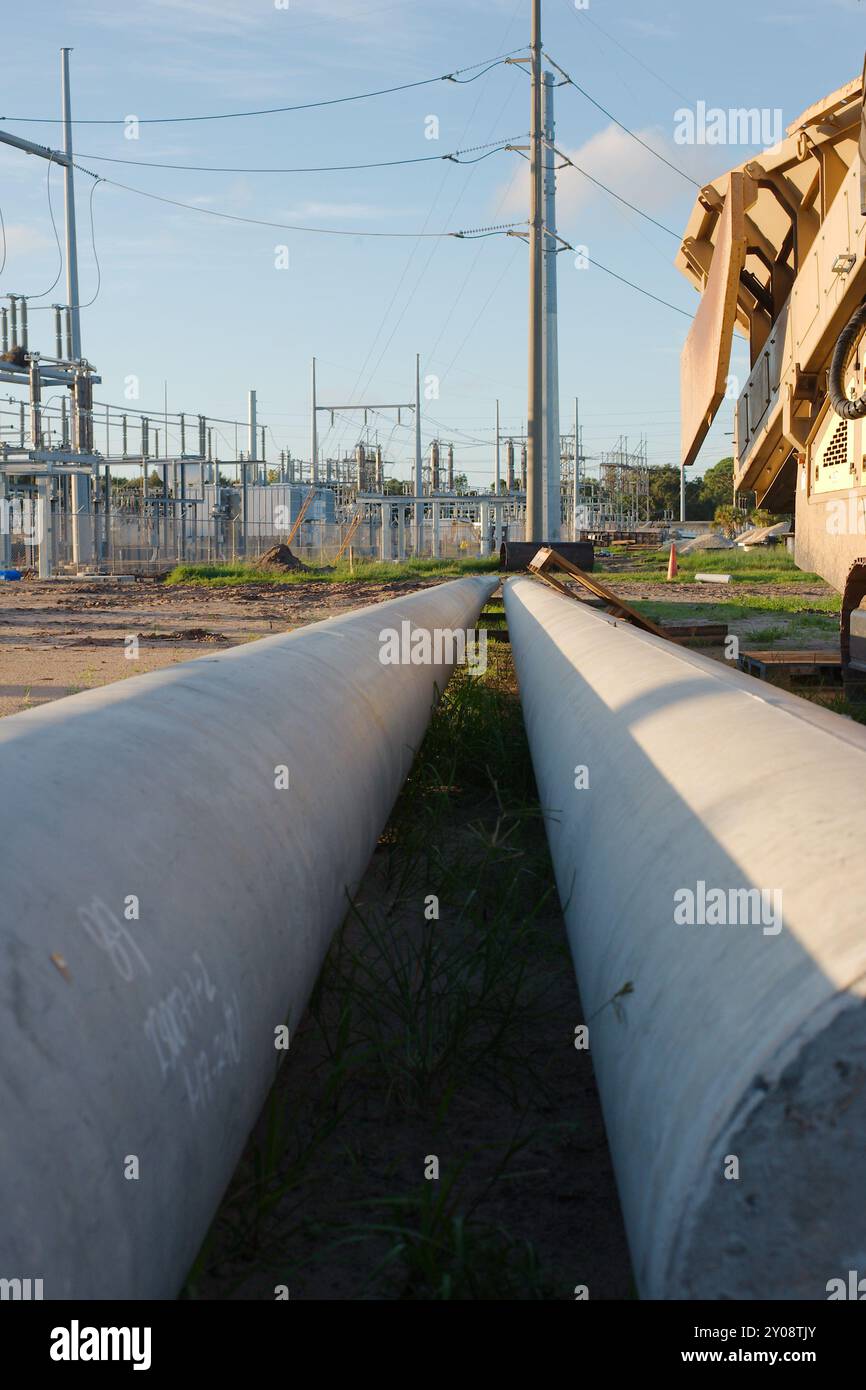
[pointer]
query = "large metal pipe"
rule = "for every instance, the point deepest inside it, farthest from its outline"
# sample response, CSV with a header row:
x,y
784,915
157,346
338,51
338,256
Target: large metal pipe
x,y
730,1059
174,869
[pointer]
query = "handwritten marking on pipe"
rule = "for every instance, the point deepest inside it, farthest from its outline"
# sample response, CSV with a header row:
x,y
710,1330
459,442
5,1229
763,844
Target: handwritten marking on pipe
x,y
209,1064
106,930
174,1022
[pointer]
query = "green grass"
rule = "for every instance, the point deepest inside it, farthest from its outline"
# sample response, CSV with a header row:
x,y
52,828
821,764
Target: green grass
x,y
371,571
771,566
767,635
837,704
746,606
438,1253
431,1012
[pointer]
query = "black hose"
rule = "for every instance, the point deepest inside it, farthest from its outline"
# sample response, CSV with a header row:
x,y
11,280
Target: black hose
x,y
849,410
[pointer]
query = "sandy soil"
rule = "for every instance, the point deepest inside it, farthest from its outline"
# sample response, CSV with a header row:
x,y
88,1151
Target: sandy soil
x,y
58,637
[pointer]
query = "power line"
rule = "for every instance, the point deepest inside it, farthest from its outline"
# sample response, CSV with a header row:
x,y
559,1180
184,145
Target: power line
x,y
468,234
276,110
640,289
56,235
611,117
433,249
35,308
627,51
617,196
492,148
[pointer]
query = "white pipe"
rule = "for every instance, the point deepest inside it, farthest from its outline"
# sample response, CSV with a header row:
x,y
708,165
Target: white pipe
x,y
736,1042
166,905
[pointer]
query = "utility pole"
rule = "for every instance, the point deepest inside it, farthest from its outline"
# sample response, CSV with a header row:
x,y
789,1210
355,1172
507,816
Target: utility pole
x,y
576,499
552,494
419,501
69,191
252,432
314,443
498,471
535,421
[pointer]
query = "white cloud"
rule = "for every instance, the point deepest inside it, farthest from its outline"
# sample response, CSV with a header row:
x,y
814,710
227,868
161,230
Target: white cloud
x,y
619,162
23,239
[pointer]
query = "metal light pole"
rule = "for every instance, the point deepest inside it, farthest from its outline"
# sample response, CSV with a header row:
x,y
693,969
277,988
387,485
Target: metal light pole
x,y
535,421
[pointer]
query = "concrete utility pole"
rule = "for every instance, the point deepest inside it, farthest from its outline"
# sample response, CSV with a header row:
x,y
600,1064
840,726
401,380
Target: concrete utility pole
x,y
419,486
69,190
314,445
552,495
575,506
535,421
498,469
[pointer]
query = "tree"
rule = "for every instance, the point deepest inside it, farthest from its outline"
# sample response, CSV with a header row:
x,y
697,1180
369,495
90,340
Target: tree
x,y
761,517
730,520
665,493
716,488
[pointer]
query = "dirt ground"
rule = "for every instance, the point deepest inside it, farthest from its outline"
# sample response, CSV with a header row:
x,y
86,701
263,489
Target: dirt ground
x,y
61,636
713,593
58,637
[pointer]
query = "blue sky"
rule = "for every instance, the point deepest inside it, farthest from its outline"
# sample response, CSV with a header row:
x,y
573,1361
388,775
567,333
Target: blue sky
x,y
198,302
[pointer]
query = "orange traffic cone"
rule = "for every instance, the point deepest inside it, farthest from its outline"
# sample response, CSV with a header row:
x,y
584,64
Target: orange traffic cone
x,y
672,562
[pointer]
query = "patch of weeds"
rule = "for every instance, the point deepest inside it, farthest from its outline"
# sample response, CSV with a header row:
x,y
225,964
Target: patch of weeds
x,y
437,1249
767,634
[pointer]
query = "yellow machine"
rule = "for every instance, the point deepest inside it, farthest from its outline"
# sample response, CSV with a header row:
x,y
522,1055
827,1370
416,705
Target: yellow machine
x,y
777,248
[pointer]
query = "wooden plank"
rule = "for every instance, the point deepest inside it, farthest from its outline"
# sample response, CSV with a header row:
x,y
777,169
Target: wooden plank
x,y
353,526
547,559
305,506
699,627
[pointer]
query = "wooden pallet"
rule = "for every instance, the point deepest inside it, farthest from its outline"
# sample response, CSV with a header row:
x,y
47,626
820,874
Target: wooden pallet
x,y
820,667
